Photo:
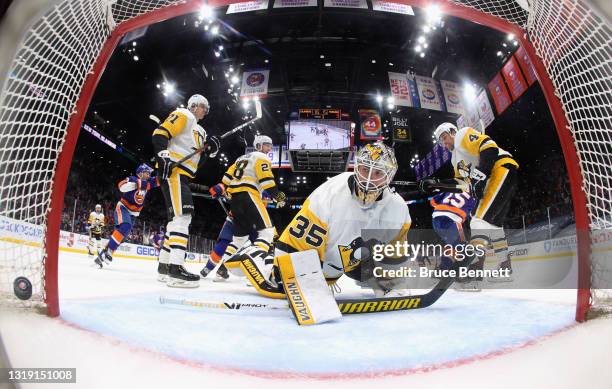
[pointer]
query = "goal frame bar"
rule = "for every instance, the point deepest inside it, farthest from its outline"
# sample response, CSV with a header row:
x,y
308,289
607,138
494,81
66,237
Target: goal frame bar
x,y
447,8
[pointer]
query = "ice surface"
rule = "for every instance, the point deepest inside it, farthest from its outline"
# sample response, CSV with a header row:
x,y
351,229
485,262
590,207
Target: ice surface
x,y
481,333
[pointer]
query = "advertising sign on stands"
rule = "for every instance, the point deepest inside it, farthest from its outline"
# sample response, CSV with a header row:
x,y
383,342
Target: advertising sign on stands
x,y
387,6
247,6
346,4
294,3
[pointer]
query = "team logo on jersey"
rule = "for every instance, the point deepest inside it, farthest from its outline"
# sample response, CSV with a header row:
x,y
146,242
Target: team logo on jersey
x,y
355,252
464,168
139,197
255,79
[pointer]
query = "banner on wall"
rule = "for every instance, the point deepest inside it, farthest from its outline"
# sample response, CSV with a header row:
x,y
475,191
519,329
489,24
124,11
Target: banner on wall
x,y
432,162
284,158
499,93
294,3
247,6
346,4
371,128
453,96
485,112
400,129
254,83
387,6
526,65
428,93
515,80
400,89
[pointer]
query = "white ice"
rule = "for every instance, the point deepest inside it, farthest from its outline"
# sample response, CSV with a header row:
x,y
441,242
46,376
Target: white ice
x,y
115,332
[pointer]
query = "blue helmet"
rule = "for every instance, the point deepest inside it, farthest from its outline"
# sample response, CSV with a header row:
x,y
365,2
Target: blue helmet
x,y
144,168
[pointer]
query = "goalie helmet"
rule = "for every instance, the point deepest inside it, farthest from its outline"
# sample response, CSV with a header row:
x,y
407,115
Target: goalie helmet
x,y
98,208
261,139
442,128
143,168
375,167
196,100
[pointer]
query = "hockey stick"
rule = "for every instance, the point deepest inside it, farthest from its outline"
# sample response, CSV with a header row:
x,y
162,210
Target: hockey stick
x,y
441,186
223,305
223,206
258,115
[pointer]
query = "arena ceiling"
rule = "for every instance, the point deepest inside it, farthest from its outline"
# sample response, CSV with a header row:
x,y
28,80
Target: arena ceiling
x,y
318,57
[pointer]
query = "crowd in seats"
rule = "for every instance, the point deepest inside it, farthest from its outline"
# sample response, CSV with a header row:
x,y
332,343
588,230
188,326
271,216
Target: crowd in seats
x,y
543,191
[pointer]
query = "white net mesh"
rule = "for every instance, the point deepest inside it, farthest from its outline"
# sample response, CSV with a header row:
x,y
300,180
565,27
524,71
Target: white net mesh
x,y
55,57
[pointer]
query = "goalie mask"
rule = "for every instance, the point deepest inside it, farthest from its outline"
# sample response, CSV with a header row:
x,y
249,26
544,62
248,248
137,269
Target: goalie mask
x,y
375,167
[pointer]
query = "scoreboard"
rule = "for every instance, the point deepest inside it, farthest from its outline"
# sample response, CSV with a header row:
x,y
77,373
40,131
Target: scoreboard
x,y
320,113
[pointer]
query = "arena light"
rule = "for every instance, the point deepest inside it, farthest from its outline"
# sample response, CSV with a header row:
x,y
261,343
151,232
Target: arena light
x,y
499,53
255,98
433,13
135,58
220,47
421,39
510,37
245,104
390,100
206,12
379,99
234,80
469,91
169,88
422,55
327,64
418,48
426,29
214,30
217,54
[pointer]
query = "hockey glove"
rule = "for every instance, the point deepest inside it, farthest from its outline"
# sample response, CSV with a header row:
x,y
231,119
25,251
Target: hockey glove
x,y
280,199
217,191
478,188
164,165
214,144
425,185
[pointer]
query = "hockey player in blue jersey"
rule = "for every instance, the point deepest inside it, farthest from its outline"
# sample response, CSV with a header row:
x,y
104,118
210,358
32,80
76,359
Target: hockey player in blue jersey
x,y
133,192
451,210
157,239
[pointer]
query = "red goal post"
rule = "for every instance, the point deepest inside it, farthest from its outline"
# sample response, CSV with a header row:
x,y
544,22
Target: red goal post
x,y
60,60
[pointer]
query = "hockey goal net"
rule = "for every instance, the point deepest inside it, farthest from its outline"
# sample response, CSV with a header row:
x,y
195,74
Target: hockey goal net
x,y
58,62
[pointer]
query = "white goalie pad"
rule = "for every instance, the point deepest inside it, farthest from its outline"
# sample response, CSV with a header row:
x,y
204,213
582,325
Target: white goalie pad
x,y
311,300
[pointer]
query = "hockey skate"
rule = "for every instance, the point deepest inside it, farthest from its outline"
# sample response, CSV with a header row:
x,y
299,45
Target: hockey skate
x,y
507,264
162,272
222,274
179,277
103,258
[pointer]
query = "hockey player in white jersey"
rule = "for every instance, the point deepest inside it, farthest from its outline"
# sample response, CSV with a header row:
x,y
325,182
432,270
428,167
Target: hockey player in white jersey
x,y
95,224
177,137
492,172
245,181
331,229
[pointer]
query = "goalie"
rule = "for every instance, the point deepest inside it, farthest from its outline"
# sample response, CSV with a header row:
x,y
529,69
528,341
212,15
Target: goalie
x,y
330,236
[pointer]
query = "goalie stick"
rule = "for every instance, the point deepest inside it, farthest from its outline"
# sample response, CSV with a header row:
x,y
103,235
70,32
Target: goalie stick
x,y
347,306
441,186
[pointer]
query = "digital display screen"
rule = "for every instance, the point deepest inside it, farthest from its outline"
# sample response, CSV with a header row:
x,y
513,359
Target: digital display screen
x,y
319,134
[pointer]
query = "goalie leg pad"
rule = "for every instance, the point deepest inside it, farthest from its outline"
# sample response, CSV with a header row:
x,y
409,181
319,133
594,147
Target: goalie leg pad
x,y
251,261
310,299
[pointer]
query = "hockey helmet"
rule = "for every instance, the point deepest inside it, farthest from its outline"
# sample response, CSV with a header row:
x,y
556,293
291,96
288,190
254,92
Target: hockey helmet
x,y
261,139
196,100
375,167
98,208
442,128
144,168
